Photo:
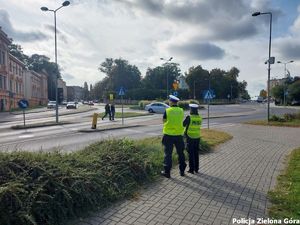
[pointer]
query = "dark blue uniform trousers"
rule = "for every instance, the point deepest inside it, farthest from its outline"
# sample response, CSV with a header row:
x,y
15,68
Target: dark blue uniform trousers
x,y
193,150
168,142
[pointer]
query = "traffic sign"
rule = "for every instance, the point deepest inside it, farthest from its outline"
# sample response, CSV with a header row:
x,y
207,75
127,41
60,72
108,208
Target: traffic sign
x,y
208,95
121,91
175,93
23,104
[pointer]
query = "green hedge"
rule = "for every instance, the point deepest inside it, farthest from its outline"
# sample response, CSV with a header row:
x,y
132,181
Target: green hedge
x,y
51,188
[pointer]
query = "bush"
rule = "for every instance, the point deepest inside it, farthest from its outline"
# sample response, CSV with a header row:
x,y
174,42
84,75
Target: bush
x,y
277,118
289,116
143,103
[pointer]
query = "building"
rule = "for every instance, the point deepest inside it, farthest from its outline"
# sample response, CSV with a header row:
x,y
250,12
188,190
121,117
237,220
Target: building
x,y
4,76
16,82
36,90
75,93
182,82
275,82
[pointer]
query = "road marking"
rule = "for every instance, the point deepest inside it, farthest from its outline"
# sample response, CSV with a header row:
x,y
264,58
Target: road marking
x,y
26,136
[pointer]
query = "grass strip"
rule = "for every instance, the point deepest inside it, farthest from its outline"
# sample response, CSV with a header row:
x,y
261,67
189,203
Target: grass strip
x,y
38,188
285,197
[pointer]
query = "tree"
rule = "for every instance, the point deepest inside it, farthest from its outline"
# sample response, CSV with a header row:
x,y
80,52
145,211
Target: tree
x,y
17,51
120,74
263,93
197,80
294,91
86,93
161,77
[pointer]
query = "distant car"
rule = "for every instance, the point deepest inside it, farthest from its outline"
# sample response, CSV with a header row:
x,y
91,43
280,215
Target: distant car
x,y
294,102
64,103
156,107
71,105
90,103
51,105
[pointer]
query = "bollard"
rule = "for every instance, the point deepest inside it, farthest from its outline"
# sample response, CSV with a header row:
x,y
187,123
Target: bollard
x,y
94,122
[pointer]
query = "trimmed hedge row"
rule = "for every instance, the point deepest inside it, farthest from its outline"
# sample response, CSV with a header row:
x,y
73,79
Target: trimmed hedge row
x,y
48,188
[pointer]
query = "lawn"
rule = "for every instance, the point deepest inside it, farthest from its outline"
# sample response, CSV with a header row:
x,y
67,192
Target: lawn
x,y
293,123
286,196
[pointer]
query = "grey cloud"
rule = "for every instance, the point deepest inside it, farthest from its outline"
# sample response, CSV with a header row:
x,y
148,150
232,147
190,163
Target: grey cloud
x,y
290,49
60,35
226,20
68,76
198,51
19,35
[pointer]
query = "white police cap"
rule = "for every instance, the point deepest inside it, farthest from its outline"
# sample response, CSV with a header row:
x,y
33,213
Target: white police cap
x,y
173,98
195,106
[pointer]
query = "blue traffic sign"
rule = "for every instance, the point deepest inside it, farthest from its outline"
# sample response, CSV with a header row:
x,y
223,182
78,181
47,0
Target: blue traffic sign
x,y
175,93
208,95
23,104
121,91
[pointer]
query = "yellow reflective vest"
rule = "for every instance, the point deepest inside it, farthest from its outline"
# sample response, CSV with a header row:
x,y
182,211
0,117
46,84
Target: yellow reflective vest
x,y
193,130
174,123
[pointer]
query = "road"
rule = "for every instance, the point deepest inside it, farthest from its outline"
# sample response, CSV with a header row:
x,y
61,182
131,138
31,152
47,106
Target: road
x,y
70,138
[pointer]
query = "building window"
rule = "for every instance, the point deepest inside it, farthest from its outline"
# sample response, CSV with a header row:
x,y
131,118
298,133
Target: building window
x,y
2,82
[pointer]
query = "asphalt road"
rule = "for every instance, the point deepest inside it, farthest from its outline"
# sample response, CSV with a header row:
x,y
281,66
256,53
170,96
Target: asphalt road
x,y
69,138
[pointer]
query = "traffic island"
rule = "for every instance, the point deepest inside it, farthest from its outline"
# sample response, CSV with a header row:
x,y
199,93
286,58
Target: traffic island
x,y
110,127
36,125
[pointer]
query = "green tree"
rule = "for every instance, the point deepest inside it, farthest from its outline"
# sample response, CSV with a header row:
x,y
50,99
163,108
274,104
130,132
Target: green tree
x,y
120,74
197,81
294,91
86,94
161,77
17,51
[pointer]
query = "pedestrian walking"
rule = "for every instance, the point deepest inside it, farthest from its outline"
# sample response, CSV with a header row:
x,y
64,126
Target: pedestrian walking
x,y
173,131
192,124
112,111
107,111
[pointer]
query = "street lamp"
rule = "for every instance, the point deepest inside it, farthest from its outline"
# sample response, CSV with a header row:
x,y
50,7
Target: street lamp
x,y
269,60
65,3
284,91
167,60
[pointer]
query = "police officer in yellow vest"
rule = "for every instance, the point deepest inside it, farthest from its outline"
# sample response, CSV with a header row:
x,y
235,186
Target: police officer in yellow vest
x,y
173,131
192,125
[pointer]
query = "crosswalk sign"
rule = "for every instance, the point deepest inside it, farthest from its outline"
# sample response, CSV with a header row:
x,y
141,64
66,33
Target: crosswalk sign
x,y
208,95
121,91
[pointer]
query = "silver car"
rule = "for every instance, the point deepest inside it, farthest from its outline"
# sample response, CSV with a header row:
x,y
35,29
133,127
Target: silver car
x,y
156,107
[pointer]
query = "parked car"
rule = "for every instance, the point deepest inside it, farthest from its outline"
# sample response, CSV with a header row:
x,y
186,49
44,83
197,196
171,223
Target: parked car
x,y
51,105
156,107
64,103
294,102
90,103
71,105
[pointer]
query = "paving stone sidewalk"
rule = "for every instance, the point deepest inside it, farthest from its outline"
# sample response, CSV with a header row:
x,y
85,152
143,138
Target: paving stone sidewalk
x,y
233,183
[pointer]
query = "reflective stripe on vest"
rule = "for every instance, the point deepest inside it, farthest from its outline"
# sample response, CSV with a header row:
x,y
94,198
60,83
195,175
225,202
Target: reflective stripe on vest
x,y
193,130
174,123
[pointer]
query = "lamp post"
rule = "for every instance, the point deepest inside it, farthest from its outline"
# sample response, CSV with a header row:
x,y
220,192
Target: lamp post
x,y
65,3
167,60
284,91
269,61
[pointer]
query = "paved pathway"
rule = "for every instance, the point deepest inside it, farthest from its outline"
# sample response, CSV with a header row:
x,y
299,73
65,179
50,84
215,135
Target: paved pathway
x,y
233,183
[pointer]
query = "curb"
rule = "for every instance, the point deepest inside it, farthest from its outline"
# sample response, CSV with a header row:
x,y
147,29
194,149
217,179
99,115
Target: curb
x,y
108,128
37,125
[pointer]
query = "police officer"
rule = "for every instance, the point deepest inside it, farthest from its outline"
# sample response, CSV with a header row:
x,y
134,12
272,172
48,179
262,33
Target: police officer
x,y
192,125
173,135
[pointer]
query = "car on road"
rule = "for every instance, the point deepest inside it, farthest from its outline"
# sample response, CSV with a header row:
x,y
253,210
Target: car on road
x,y
51,105
71,105
90,103
156,107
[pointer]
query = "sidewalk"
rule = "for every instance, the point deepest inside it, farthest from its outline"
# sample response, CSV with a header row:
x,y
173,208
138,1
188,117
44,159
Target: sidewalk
x,y
233,183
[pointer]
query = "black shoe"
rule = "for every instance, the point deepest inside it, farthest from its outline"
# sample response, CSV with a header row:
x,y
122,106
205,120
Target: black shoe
x,y
196,171
165,174
182,173
190,171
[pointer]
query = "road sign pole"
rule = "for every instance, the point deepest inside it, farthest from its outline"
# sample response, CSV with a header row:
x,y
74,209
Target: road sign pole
x,y
24,116
208,101
122,110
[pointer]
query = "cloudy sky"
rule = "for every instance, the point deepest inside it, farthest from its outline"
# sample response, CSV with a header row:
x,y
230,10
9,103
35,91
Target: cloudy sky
x,y
210,33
